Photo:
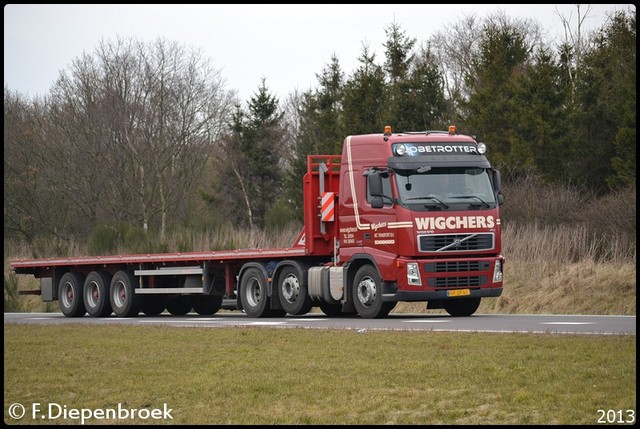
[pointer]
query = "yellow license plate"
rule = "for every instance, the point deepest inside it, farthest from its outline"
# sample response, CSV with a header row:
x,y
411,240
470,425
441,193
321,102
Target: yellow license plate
x,y
459,292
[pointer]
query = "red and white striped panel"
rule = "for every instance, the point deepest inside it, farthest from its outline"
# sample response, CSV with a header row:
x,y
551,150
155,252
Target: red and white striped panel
x,y
328,207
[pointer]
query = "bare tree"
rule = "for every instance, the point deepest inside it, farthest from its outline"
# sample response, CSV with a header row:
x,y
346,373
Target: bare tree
x,y
143,118
459,45
574,43
30,208
187,109
456,47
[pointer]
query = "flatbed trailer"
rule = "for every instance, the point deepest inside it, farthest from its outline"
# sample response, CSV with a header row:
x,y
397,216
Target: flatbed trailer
x,y
396,217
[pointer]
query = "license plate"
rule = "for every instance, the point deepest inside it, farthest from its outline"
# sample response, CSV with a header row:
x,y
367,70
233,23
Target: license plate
x,y
459,292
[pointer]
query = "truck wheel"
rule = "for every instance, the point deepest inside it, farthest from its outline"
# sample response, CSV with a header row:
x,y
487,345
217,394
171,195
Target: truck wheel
x,y
253,293
461,307
331,310
180,305
153,305
124,301
96,294
292,291
276,312
388,306
70,295
367,293
206,305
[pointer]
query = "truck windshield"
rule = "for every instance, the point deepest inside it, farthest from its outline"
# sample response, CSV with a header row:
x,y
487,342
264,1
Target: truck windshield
x,y
445,186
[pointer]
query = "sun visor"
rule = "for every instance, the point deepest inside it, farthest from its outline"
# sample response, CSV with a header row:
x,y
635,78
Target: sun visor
x,y
414,162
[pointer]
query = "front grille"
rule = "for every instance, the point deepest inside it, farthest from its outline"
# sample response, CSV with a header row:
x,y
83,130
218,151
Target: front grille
x,y
455,242
471,281
456,266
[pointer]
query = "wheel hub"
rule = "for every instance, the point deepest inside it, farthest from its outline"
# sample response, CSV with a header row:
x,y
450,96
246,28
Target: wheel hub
x,y
290,288
367,291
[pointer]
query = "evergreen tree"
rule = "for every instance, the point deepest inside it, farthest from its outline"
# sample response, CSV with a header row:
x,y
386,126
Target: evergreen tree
x,y
253,160
541,96
262,145
495,77
398,53
365,97
604,149
422,103
415,92
327,108
319,129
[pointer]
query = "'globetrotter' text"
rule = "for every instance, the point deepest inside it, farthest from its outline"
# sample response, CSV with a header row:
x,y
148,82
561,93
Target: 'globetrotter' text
x,y
454,222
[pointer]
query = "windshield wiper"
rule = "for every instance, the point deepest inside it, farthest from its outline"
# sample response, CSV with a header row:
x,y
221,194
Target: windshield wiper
x,y
472,196
430,197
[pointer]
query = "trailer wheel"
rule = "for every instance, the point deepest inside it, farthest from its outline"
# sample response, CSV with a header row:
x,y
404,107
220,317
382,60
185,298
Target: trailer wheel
x,y
124,301
153,305
253,293
367,293
206,305
292,291
179,305
461,307
96,294
70,295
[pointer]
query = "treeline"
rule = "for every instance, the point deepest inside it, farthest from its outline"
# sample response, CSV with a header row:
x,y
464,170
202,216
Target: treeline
x,y
147,136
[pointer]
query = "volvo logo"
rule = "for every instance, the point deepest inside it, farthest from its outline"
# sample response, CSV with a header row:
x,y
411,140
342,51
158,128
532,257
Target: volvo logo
x,y
456,242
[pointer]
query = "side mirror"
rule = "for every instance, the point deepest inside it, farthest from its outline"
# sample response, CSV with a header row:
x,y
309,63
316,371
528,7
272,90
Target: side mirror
x,y
497,182
374,183
376,202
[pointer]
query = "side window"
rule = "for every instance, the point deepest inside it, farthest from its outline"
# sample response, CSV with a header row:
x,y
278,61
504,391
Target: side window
x,y
386,188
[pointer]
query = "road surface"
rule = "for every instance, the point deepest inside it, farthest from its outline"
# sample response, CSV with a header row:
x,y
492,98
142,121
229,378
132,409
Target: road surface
x,y
502,323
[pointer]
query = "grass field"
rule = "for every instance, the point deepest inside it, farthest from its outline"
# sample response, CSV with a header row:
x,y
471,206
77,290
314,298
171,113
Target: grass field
x,y
298,376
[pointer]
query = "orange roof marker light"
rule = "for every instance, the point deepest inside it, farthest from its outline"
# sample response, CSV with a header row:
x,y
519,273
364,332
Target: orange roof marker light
x,y
452,129
387,132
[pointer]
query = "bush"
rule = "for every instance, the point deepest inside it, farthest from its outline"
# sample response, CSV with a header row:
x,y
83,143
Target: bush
x,y
278,216
104,240
12,302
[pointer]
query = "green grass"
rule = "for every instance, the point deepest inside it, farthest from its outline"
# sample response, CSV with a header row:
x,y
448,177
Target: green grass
x,y
301,376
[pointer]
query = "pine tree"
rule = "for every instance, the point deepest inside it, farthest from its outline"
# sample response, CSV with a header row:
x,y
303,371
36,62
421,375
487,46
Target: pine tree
x,y
365,97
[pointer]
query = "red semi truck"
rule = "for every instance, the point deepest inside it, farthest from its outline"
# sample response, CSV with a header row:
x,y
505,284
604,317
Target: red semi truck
x,y
410,216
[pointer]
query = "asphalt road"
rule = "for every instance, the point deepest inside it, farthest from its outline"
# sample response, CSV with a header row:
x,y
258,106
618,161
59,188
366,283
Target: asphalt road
x,y
503,323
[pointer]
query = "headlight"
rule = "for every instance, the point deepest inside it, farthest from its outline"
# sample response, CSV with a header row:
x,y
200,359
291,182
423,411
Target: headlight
x,y
497,272
413,274
400,149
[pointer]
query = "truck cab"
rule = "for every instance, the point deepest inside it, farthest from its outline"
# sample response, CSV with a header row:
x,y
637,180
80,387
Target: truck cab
x,y
418,221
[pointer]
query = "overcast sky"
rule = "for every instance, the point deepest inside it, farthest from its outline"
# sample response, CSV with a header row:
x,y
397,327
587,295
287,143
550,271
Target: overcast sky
x,y
286,44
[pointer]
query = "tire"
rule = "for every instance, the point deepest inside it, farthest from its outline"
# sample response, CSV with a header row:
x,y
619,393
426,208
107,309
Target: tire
x,y
96,294
331,310
253,293
461,307
367,293
292,291
70,296
387,307
276,312
124,301
153,305
179,305
206,305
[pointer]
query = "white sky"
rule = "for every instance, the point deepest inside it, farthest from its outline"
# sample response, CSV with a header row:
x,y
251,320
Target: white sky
x,y
286,44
